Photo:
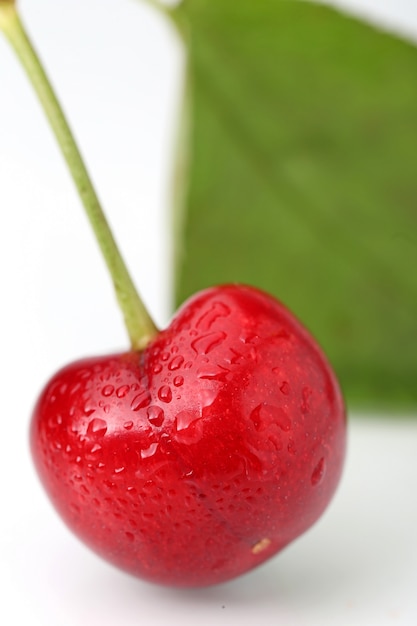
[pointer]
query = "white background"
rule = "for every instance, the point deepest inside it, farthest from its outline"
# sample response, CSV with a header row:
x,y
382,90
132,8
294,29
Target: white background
x,y
117,67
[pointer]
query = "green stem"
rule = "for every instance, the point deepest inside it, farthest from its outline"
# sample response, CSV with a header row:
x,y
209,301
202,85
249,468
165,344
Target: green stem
x,y
139,325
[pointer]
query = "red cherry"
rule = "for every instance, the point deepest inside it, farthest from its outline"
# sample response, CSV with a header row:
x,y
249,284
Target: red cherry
x,y
197,459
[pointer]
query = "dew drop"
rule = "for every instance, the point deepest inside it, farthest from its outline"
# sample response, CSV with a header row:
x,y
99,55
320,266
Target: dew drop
x,y
119,470
54,421
185,418
97,427
140,401
155,415
251,338
188,365
265,415
206,397
207,320
307,393
75,388
176,363
206,343
128,425
165,394
88,410
148,452
122,391
96,448
235,358
107,391
178,381
318,472
213,372
256,418
291,447
285,388
282,420
165,356
157,368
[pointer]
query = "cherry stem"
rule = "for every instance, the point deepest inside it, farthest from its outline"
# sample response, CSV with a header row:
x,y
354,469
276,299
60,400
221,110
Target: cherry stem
x,y
140,326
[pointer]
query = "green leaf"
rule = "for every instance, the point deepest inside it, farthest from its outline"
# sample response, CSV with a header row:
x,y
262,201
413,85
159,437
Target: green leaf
x,y
302,178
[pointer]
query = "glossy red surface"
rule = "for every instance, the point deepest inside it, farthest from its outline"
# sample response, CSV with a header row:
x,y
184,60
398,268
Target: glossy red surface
x,y
197,459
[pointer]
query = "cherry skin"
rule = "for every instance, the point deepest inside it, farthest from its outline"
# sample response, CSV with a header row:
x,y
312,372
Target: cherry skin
x,y
198,458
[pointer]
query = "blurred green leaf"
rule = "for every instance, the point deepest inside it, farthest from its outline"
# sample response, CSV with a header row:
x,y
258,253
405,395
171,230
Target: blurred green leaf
x,y
302,178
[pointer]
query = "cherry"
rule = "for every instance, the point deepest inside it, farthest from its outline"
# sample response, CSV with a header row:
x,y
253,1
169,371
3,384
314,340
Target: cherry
x,y
198,458
207,447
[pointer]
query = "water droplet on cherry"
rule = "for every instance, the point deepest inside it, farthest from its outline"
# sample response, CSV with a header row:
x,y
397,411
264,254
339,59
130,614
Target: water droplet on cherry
x,y
176,363
217,310
291,447
285,388
165,394
155,415
55,420
97,427
307,393
318,472
265,415
107,390
185,418
150,451
206,343
140,401
122,391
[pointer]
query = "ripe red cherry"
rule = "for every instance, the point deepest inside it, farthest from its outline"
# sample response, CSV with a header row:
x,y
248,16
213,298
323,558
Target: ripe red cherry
x,y
200,457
